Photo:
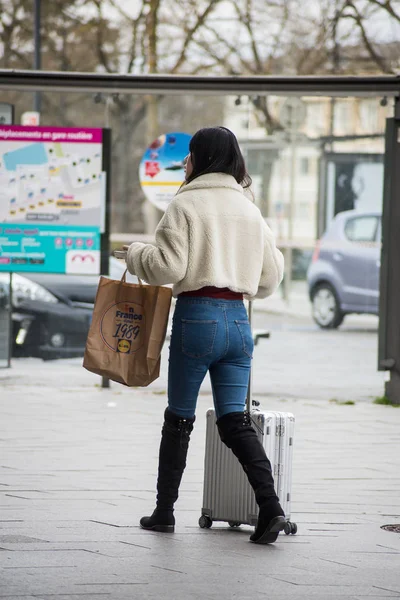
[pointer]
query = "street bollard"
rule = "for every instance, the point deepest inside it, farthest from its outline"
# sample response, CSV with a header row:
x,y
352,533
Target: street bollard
x,y
105,382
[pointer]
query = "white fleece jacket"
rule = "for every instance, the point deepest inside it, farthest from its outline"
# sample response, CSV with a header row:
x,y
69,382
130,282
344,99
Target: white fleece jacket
x,y
210,235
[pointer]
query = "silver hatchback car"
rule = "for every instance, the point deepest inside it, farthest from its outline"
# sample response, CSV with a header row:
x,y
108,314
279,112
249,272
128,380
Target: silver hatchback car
x,y
343,276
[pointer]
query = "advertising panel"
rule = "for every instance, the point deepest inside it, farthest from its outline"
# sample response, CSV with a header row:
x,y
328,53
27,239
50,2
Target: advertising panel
x,y
353,182
52,199
162,171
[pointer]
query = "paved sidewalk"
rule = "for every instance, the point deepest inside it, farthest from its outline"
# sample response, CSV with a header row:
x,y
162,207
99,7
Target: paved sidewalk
x,y
298,305
78,468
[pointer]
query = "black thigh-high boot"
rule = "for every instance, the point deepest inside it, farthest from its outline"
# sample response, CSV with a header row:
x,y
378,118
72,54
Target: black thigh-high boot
x,y
172,462
237,433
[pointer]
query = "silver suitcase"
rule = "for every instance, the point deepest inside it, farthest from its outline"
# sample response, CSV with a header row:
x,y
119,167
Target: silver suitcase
x,y
227,495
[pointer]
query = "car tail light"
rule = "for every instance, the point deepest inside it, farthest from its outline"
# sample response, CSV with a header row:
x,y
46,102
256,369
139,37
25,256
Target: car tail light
x,y
316,252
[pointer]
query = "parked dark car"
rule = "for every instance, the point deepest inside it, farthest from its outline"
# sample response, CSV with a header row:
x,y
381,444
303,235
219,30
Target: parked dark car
x,y
343,277
51,314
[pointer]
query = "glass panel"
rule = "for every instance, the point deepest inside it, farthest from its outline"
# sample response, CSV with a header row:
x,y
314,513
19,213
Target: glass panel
x,y
305,173
5,320
362,229
379,231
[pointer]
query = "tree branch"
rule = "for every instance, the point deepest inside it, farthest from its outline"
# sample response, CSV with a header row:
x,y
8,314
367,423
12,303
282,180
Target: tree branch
x,y
357,17
232,49
246,19
123,14
388,7
220,60
278,38
99,37
201,18
135,30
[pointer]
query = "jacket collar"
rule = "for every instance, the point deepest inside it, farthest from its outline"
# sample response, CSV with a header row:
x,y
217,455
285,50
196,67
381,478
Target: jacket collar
x,y
211,180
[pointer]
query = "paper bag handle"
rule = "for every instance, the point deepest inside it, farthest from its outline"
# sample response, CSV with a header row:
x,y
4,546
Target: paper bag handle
x,y
123,278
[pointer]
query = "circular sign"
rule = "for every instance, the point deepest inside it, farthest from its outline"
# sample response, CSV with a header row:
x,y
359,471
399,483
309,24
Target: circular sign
x,y
162,169
122,327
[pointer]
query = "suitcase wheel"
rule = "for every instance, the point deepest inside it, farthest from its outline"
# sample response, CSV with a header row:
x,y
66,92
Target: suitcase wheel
x,y
234,524
205,522
290,528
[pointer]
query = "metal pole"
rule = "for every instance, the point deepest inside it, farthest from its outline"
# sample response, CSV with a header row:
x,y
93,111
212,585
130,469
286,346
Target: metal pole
x,y
335,68
108,101
249,400
121,83
151,213
38,50
287,284
389,299
10,323
105,382
105,236
293,157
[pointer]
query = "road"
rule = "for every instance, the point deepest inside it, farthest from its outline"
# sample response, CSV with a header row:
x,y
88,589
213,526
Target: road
x,y
299,361
302,361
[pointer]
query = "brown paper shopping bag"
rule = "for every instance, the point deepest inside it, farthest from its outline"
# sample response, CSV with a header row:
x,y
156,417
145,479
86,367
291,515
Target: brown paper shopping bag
x,y
127,332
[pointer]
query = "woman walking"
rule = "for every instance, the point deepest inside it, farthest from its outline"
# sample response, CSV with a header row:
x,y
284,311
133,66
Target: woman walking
x,y
215,247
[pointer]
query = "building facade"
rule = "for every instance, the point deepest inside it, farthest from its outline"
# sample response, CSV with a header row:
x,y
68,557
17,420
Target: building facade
x,y
292,167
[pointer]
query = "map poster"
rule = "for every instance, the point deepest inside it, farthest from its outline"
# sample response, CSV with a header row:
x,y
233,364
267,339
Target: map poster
x,y
52,199
161,170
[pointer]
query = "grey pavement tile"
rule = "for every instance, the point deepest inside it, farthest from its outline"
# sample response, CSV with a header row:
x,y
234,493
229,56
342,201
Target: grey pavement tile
x,y
54,557
326,593
44,596
91,475
24,596
387,587
20,539
85,596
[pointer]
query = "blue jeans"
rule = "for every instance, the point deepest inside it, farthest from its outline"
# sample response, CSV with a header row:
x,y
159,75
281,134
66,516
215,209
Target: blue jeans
x,y
209,335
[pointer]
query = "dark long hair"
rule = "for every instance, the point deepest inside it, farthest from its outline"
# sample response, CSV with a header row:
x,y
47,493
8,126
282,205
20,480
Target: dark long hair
x,y
216,150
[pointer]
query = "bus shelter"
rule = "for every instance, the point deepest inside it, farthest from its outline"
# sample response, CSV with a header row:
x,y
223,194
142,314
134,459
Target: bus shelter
x,y
385,87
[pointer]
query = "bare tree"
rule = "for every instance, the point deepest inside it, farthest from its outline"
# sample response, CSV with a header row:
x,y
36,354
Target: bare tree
x,y
361,14
152,40
298,38
147,36
186,36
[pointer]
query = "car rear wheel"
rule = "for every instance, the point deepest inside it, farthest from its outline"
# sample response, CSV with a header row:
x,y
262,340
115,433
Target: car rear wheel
x,y
325,307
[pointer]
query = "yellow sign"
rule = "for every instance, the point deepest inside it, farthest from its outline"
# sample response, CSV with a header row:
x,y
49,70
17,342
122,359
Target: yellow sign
x,y
124,346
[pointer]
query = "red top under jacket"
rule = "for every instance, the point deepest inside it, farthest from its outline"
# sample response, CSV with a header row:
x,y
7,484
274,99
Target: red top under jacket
x,y
214,292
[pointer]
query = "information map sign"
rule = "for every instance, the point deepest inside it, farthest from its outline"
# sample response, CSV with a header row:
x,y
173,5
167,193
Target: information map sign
x,y
52,199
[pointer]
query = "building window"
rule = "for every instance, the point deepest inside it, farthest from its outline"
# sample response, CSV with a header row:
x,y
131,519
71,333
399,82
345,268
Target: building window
x,y
302,210
369,116
316,118
342,117
304,165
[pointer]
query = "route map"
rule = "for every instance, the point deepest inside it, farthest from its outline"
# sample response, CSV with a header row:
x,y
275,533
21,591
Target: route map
x,y
52,197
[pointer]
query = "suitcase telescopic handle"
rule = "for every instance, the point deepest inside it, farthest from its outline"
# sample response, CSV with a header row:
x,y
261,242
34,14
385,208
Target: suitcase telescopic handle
x,y
250,388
